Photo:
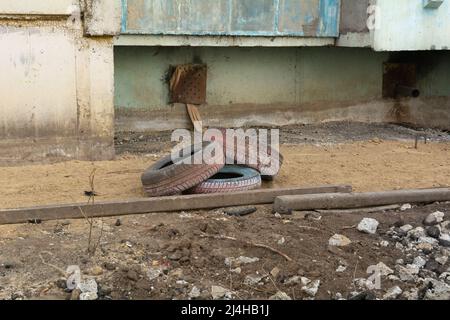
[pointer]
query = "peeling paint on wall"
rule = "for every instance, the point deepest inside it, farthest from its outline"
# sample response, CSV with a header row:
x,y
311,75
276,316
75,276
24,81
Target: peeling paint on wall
x,y
314,18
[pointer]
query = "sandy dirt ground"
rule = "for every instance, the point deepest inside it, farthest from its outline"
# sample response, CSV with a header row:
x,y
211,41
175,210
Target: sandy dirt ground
x,y
179,256
368,166
165,256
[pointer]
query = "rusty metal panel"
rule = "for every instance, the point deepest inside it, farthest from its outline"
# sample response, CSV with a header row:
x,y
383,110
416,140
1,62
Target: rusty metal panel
x,y
312,18
188,84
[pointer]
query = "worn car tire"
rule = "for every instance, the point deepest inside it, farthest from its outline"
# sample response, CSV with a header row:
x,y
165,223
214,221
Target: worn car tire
x,y
166,178
267,172
230,178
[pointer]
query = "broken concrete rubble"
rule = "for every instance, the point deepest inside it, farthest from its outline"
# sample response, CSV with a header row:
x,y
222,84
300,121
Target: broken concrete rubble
x,y
434,218
339,240
368,225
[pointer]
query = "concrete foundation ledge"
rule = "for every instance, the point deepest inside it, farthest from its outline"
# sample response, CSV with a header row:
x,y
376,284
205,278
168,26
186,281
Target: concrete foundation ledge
x,y
242,115
46,150
426,112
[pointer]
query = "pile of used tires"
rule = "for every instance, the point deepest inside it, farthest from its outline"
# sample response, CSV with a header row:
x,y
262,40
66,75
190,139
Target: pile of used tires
x,y
186,174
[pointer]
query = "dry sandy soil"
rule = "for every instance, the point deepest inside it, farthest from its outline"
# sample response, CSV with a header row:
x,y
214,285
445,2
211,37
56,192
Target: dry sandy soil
x,y
127,253
368,166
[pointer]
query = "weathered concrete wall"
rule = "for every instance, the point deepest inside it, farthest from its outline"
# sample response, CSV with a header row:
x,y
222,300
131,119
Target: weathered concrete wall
x,y
32,57
102,17
58,85
407,25
273,86
250,75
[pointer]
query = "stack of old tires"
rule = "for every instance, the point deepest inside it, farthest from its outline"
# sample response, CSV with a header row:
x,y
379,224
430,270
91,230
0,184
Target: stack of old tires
x,y
170,177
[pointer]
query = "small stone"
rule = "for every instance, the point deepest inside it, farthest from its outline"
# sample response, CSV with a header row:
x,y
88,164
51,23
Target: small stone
x,y
399,246
412,294
442,260
247,260
425,247
153,273
236,262
253,280
405,207
277,215
368,225
445,226
407,273
366,295
305,281
419,262
194,293
339,240
132,275
381,268
445,252
399,261
384,244
313,216
434,218
88,296
293,280
434,266
444,240
88,286
182,283
341,269
338,296
75,294
104,290
393,278
118,223
218,292
312,288
280,295
424,273
433,232
429,240
438,290
61,283
413,269
393,293
406,228
445,276
416,233
177,255
363,283
96,271
281,241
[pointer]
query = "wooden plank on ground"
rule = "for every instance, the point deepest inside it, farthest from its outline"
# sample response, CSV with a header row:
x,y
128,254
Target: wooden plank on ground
x,y
288,203
158,204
